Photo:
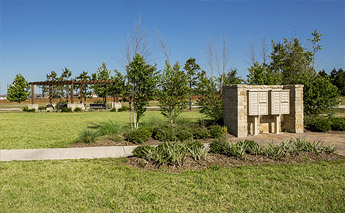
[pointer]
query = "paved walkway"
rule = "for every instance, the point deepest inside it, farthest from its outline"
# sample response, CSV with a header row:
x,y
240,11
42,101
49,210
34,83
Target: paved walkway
x,y
123,151
66,153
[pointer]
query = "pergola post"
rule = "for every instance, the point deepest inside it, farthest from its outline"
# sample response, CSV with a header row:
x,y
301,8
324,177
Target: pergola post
x,y
50,94
72,93
32,93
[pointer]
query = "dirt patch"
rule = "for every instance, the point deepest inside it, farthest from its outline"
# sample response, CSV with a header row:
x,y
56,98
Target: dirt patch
x,y
223,160
113,143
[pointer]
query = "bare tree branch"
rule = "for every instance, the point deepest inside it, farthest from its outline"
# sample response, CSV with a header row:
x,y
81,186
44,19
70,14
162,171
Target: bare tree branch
x,y
264,49
252,54
164,47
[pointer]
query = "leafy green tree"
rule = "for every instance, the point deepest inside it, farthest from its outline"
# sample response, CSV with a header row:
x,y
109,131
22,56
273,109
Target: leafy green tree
x,y
85,92
337,78
210,101
260,74
319,95
64,90
102,90
118,87
323,73
142,80
296,65
192,69
19,90
231,77
174,91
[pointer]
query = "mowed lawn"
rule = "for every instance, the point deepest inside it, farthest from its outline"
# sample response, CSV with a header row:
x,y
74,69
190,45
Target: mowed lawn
x,y
53,130
109,185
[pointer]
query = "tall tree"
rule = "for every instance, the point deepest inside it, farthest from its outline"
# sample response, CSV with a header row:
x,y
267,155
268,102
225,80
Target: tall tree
x,y
337,78
232,78
19,90
174,91
102,90
260,74
210,100
119,85
142,81
85,92
192,69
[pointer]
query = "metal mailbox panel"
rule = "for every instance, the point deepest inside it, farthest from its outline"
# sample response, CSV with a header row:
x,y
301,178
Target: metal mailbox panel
x,y
258,103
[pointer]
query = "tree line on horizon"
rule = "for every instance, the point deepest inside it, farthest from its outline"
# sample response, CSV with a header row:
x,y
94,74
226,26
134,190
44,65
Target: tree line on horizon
x,y
288,63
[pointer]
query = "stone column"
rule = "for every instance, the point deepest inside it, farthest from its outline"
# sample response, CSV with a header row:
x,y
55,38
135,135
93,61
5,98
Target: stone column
x,y
294,122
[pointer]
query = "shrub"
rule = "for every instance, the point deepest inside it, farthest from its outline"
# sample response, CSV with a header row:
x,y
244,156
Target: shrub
x,y
183,134
320,125
78,109
66,109
25,109
165,133
113,110
142,151
123,109
88,136
273,151
99,102
236,150
217,131
138,136
219,146
338,124
169,153
41,108
201,133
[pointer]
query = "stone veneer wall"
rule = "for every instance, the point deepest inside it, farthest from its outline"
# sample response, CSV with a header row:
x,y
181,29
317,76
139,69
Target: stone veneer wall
x,y
236,117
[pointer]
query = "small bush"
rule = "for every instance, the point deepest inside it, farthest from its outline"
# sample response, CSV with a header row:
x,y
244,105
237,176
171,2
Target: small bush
x,y
78,109
217,131
165,133
320,125
338,124
201,133
219,146
41,108
138,136
113,110
123,109
25,109
183,134
273,151
88,136
236,150
169,153
99,102
66,109
142,151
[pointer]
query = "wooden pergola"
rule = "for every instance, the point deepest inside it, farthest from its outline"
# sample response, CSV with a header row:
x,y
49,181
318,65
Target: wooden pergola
x,y
64,83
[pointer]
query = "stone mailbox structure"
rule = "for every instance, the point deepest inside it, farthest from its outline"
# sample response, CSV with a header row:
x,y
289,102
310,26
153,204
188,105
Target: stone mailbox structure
x,y
250,109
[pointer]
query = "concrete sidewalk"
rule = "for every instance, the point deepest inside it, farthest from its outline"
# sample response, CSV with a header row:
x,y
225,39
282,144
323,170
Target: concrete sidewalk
x,y
66,153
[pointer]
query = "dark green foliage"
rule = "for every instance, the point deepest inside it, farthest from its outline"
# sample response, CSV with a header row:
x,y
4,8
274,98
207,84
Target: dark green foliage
x,y
19,90
88,136
319,124
201,132
337,78
41,108
251,147
219,146
338,124
66,109
165,133
192,69
142,151
217,131
138,136
183,133
262,75
25,109
85,92
78,109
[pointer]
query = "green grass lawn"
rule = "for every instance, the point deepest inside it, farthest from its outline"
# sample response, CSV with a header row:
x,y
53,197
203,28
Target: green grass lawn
x,y
109,185
52,130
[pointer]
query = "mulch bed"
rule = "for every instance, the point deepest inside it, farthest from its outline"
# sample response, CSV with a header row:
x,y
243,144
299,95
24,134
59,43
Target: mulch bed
x,y
223,160
113,143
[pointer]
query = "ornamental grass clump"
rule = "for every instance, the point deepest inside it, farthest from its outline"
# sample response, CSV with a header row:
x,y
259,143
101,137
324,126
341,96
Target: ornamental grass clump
x,y
109,128
88,136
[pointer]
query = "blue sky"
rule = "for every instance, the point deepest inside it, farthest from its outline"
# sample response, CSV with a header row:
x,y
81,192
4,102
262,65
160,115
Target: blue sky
x,y
38,36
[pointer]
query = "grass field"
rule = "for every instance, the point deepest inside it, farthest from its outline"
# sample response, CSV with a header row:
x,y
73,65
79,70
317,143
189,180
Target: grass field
x,y
108,185
52,130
